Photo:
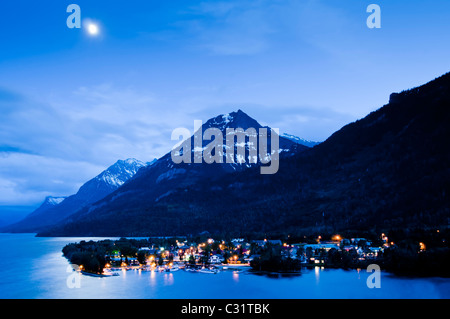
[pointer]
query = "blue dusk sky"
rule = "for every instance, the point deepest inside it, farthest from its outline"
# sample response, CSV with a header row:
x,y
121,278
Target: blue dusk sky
x,y
73,103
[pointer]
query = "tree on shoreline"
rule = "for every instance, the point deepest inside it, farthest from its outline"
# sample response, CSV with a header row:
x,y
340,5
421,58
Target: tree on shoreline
x,y
91,262
271,260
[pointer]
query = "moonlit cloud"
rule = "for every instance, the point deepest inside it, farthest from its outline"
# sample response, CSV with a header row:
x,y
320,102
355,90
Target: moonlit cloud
x,y
229,28
247,27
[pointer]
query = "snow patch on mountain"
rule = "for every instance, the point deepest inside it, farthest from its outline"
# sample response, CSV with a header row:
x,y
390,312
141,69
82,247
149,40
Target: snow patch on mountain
x,y
54,200
300,140
117,174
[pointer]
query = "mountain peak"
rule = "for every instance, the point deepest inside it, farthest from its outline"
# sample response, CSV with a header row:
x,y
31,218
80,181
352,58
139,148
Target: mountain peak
x,y
232,120
433,89
129,161
239,113
121,171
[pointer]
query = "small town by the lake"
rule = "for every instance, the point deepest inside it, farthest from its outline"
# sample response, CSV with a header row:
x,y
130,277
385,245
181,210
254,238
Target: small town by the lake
x,y
211,255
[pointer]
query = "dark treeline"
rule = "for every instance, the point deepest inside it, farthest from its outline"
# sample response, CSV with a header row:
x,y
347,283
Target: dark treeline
x,y
402,261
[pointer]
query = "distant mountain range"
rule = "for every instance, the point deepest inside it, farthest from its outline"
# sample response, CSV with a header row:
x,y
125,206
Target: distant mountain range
x,y
55,209
300,140
164,178
388,170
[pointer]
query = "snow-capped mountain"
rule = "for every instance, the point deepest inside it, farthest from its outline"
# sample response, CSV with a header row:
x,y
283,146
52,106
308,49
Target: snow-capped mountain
x,y
232,120
240,119
54,209
107,181
300,140
164,178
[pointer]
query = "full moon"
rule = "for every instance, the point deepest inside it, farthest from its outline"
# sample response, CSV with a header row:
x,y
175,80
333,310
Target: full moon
x,y
92,29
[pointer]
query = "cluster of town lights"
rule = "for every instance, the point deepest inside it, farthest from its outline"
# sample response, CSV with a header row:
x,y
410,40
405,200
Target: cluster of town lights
x,y
237,253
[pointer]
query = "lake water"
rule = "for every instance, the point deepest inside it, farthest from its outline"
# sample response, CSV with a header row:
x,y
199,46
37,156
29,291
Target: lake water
x,y
32,268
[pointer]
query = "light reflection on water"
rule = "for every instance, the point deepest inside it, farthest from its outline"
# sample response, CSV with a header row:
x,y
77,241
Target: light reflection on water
x,y
168,279
33,267
152,278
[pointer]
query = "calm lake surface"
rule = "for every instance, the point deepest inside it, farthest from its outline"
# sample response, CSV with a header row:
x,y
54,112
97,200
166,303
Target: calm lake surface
x,y
32,268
